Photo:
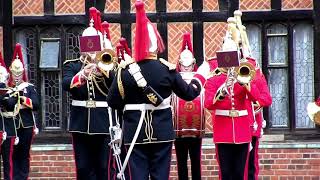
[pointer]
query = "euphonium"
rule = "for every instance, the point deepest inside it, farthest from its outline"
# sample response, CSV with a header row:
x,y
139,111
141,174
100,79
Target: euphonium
x,y
106,59
245,72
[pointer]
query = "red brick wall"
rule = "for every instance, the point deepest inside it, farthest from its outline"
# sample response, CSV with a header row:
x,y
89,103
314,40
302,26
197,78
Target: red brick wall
x,y
69,7
255,5
275,164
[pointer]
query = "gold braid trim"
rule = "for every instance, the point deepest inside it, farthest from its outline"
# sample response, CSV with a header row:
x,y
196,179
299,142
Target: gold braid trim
x,y
97,85
120,85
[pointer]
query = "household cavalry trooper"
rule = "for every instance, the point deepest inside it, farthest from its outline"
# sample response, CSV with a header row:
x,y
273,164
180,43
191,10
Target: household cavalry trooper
x,y
27,101
87,80
188,118
143,90
8,131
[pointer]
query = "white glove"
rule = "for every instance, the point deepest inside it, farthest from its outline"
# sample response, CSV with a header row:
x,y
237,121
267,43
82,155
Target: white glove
x,y
204,69
255,126
261,133
264,124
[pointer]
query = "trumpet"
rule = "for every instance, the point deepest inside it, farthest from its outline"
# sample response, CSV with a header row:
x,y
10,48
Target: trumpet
x,y
106,59
245,72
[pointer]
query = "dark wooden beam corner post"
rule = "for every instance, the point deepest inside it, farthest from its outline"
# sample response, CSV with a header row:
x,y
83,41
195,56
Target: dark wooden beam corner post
x,y
161,16
7,31
197,6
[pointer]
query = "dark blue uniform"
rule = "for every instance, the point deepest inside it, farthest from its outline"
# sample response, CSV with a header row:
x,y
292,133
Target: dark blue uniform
x,y
25,124
89,125
7,106
152,153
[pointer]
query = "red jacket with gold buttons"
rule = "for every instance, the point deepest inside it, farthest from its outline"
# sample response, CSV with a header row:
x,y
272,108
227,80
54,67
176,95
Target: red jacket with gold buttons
x,y
229,129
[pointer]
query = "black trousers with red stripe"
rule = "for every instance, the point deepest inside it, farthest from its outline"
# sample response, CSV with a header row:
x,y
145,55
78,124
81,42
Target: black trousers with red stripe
x,y
232,159
6,153
191,146
21,154
93,157
254,160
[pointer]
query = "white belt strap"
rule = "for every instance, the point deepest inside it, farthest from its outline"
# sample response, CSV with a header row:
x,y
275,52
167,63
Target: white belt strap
x,y
90,104
8,114
231,113
164,105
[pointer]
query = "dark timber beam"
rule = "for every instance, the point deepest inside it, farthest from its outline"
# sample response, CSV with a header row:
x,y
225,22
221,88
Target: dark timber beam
x,y
48,7
100,4
125,8
197,28
276,5
161,9
233,5
7,31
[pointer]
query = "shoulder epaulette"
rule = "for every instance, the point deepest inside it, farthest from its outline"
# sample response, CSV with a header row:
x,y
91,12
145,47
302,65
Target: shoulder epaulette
x,y
171,66
124,64
70,60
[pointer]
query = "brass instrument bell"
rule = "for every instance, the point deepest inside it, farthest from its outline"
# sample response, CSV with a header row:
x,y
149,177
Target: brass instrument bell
x,y
106,59
245,72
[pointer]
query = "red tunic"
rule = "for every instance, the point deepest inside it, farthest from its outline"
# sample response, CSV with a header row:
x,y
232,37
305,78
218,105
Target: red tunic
x,y
264,100
229,129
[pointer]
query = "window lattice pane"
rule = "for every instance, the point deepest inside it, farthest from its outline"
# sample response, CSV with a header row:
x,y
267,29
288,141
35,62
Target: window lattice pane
x,y
51,90
304,71
277,45
279,111
254,36
73,50
27,38
51,100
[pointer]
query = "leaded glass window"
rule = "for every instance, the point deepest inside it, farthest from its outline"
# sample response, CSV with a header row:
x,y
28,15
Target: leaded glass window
x,y
51,89
27,38
303,72
254,36
278,75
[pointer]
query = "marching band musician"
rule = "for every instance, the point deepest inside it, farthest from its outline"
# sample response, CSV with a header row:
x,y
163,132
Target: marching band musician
x,y
143,90
189,118
25,122
87,79
8,131
230,100
264,99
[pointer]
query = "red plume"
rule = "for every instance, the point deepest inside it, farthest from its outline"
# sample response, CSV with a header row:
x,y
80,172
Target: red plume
x,y
124,43
105,29
187,42
142,40
93,15
98,24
